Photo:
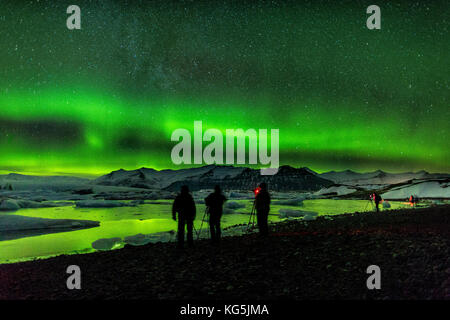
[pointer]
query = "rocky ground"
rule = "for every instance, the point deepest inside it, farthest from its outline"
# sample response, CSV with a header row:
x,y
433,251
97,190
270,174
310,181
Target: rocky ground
x,y
321,259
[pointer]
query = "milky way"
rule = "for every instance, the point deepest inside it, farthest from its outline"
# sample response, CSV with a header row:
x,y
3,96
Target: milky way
x,y
108,96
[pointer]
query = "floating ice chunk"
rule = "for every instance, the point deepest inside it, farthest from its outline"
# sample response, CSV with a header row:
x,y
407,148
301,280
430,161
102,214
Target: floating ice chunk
x,y
106,244
20,223
161,237
284,213
288,213
34,204
310,216
234,205
143,239
336,190
137,240
237,195
103,204
9,205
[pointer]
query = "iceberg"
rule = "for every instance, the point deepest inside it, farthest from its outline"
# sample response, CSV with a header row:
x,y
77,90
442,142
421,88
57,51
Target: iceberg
x,y
386,204
19,223
103,204
143,239
106,244
288,213
9,205
234,205
137,240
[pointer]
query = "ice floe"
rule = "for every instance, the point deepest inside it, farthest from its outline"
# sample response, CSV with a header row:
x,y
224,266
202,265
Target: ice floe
x,y
104,204
234,205
106,244
18,223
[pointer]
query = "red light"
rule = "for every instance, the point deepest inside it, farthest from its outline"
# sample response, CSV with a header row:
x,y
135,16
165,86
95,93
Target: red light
x,y
257,190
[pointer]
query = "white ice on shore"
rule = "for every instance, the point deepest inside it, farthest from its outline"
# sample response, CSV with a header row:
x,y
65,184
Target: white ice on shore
x,y
429,189
20,223
338,190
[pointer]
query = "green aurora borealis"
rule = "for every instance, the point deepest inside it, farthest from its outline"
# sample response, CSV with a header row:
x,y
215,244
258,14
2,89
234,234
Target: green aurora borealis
x,y
90,101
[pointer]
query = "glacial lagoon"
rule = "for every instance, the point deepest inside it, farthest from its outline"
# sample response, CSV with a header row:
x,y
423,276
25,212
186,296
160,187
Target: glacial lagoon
x,y
151,217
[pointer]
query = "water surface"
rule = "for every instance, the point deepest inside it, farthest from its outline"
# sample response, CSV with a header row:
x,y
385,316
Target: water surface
x,y
146,219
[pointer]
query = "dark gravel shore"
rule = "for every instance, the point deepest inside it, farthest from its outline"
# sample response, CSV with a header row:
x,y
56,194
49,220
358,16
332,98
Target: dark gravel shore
x,y
323,259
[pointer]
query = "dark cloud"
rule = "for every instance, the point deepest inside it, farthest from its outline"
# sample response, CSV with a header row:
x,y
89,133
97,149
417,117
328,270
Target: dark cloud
x,y
41,133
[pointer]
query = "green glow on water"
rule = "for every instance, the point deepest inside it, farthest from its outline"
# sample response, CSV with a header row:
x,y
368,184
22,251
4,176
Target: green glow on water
x,y
149,218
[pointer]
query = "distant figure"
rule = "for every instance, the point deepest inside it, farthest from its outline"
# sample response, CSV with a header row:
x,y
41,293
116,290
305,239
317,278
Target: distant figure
x,y
414,200
184,205
215,202
377,199
262,205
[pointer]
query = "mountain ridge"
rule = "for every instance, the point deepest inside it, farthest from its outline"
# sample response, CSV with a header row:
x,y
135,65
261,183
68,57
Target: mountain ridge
x,y
206,177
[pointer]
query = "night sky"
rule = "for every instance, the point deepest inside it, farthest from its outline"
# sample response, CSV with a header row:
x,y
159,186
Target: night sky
x,y
108,96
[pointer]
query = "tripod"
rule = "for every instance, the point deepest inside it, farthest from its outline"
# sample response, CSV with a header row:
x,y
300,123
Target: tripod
x,y
203,220
367,204
252,216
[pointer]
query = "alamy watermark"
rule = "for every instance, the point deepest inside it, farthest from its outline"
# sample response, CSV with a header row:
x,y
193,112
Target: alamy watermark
x,y
74,280
213,152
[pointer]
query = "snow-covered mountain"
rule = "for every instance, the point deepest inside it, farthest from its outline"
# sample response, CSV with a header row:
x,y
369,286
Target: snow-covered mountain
x,y
229,177
21,182
378,177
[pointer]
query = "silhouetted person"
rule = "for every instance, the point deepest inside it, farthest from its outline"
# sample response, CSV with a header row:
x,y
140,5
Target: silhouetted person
x,y
414,200
262,205
184,205
377,199
215,202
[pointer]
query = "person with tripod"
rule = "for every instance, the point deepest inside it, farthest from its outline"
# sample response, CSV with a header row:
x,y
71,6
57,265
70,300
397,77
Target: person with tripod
x,y
377,199
262,206
184,205
214,203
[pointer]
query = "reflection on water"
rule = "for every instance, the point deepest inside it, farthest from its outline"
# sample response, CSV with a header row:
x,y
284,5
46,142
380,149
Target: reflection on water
x,y
147,218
